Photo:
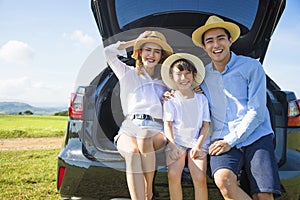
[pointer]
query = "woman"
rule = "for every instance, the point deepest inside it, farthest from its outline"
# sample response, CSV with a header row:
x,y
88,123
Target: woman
x,y
141,89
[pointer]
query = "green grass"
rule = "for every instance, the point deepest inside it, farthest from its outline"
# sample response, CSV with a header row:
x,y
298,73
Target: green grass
x,y
16,126
293,140
28,174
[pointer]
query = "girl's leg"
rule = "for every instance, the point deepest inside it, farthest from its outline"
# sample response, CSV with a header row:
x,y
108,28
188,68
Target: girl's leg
x,y
197,169
174,177
127,146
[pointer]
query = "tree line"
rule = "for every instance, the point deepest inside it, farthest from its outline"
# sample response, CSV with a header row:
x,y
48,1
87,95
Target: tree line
x,y
29,112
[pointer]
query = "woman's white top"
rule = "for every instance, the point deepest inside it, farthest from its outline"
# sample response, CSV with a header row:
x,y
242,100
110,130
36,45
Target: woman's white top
x,y
139,94
187,116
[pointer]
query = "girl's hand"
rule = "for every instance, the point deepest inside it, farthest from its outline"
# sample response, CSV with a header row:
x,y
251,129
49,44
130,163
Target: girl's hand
x,y
175,153
196,153
172,155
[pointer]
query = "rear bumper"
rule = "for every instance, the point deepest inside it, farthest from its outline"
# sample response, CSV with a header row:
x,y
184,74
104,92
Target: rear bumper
x,y
88,179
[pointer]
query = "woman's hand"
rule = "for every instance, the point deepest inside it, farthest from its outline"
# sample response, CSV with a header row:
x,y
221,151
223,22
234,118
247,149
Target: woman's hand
x,y
132,42
144,35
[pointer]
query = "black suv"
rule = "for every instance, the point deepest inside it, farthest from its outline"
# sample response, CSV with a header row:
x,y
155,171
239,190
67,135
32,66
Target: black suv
x,y
89,165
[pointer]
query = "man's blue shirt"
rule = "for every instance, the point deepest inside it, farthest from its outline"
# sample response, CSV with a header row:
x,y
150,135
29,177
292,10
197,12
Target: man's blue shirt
x,y
237,99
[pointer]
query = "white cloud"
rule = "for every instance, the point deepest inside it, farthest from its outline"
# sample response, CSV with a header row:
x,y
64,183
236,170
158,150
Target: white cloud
x,y
80,38
24,89
16,52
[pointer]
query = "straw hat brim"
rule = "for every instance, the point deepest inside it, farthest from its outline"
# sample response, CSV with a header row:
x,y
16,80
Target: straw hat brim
x,y
165,46
165,69
232,28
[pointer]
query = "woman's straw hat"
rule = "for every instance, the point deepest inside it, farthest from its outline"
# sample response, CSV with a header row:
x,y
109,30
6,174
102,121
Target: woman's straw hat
x,y
215,22
165,69
155,37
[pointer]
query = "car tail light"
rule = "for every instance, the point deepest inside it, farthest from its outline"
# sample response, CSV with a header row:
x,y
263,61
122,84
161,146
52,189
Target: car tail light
x,y
76,106
294,113
61,173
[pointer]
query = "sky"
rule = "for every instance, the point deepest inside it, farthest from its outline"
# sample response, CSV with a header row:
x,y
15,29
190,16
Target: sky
x,y
49,47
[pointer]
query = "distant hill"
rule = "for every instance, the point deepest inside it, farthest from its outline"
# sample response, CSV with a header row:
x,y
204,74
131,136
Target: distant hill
x,y
8,108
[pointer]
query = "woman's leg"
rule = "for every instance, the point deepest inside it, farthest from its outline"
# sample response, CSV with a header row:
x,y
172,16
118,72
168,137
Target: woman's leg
x,y
147,147
197,169
159,141
127,146
148,163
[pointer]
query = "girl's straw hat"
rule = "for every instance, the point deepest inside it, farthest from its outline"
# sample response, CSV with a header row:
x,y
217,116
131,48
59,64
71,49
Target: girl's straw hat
x,y
155,37
165,69
215,22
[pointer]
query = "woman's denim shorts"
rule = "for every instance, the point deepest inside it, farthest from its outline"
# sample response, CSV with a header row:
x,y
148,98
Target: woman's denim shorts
x,y
136,128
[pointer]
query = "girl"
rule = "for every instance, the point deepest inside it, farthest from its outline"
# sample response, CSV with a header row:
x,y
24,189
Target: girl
x,y
186,123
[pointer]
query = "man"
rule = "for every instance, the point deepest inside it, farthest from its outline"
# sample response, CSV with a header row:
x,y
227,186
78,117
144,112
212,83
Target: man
x,y
241,134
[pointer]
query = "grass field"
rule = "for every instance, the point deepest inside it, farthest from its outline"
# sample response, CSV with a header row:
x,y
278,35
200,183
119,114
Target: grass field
x,y
293,140
16,126
28,174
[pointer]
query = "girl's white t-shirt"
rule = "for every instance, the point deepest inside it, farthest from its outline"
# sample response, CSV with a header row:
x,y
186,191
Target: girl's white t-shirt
x,y
187,116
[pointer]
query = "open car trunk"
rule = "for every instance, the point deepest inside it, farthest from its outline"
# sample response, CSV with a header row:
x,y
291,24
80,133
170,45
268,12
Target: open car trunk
x,y
177,19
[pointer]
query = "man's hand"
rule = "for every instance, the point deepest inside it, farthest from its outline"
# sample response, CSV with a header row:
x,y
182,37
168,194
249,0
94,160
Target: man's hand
x,y
167,95
198,90
219,147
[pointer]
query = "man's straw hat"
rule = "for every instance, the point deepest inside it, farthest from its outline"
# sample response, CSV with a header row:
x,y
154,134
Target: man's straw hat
x,y
215,22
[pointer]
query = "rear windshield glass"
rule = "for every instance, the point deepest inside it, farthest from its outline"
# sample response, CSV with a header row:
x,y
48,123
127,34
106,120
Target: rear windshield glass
x,y
241,11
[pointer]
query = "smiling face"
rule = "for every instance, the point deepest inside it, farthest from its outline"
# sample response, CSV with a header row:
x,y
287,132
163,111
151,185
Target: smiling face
x,y
183,73
217,45
151,54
